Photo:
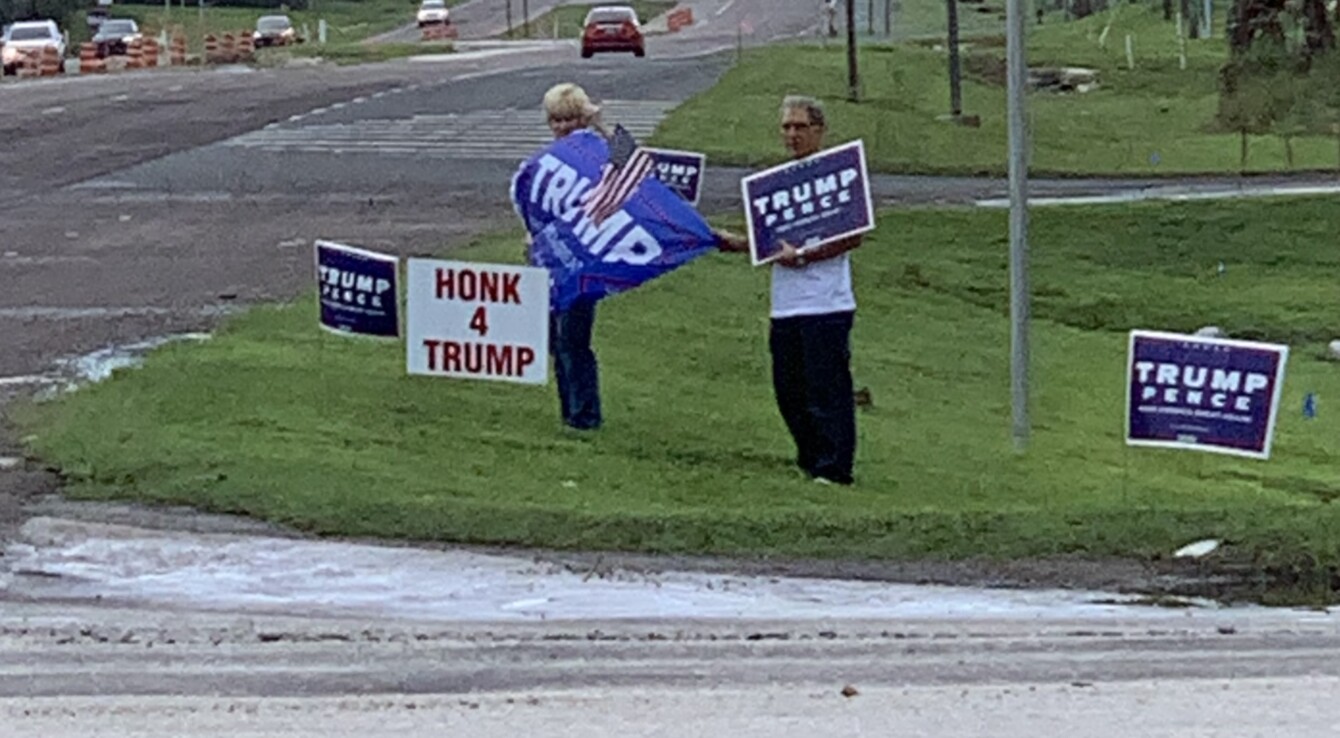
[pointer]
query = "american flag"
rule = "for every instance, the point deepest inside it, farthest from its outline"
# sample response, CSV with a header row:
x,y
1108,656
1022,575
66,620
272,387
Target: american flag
x,y
629,164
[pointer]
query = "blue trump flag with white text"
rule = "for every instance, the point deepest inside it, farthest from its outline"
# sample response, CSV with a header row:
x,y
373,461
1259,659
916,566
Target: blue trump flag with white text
x,y
653,231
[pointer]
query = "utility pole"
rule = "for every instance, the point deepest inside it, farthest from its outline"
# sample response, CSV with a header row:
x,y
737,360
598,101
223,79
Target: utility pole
x,y
1017,74
853,77
955,71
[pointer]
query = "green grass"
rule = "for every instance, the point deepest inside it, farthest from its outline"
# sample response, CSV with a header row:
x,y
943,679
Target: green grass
x,y
276,419
348,21
929,19
569,18
1154,120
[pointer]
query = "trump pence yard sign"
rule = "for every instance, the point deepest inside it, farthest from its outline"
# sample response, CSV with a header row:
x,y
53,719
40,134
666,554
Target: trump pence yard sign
x,y
1208,394
358,291
478,321
681,171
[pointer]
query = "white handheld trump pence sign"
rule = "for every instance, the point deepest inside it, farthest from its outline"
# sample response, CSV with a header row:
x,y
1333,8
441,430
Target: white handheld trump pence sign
x,y
478,321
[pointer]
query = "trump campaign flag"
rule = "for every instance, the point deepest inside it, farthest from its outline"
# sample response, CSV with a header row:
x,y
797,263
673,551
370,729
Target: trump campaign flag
x,y
598,222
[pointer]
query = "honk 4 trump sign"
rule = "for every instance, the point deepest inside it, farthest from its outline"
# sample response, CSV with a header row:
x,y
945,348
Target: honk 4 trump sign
x,y
1208,394
478,321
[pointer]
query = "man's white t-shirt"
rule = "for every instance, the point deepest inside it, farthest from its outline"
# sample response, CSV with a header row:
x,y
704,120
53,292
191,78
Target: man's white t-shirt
x,y
818,288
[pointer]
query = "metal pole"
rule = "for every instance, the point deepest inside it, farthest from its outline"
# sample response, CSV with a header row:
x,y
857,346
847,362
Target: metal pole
x,y
955,74
853,78
525,17
888,17
509,18
1017,71
870,17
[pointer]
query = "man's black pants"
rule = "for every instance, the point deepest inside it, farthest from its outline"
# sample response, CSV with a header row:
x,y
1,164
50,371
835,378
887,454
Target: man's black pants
x,y
811,375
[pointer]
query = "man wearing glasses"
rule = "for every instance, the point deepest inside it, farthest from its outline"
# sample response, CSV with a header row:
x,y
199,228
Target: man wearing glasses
x,y
813,307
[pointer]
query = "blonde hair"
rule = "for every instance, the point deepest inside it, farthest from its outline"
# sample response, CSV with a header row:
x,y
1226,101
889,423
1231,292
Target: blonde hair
x,y
568,101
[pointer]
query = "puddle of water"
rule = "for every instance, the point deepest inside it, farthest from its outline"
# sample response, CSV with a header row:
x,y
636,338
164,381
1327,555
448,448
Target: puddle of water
x,y
69,374
63,559
99,365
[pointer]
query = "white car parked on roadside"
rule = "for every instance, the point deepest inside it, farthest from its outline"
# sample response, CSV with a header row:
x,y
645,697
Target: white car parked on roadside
x,y
29,37
433,11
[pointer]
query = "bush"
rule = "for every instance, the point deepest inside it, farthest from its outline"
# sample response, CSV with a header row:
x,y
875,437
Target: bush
x,y
22,10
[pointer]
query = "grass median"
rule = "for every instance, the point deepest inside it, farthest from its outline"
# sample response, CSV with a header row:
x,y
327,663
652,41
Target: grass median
x,y
348,21
1155,119
348,54
276,419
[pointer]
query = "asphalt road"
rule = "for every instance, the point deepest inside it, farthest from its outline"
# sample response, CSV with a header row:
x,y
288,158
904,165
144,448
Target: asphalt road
x,y
722,21
106,671
478,19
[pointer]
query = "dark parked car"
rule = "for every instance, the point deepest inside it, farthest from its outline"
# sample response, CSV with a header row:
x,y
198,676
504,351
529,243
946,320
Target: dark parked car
x,y
274,30
114,36
612,28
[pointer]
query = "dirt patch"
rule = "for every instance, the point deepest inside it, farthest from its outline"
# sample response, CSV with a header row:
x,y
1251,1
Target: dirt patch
x,y
1220,580
987,69
1224,577
990,69
20,484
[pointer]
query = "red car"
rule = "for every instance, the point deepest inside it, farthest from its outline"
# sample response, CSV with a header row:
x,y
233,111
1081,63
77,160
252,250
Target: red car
x,y
612,28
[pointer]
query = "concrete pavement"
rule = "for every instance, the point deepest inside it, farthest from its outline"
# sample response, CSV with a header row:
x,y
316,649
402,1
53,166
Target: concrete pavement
x,y
1298,707
85,670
